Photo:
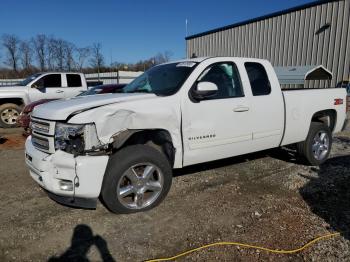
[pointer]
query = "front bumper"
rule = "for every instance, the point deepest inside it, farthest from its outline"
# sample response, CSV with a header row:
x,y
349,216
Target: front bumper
x,y
89,203
84,172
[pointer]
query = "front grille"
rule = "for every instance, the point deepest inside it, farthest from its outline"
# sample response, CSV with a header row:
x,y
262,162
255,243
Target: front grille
x,y
40,127
43,132
41,142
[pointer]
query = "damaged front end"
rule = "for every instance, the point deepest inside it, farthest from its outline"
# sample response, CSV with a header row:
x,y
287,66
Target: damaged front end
x,y
77,139
68,156
68,179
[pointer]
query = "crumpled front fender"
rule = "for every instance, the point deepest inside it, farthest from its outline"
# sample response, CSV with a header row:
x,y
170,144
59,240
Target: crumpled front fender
x,y
158,113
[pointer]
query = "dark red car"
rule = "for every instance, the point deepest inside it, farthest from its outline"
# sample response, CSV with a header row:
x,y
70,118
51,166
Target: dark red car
x,y
24,119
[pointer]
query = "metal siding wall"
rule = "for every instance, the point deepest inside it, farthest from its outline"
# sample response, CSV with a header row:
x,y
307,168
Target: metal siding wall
x,y
285,43
273,41
337,43
347,47
280,42
297,38
304,36
344,40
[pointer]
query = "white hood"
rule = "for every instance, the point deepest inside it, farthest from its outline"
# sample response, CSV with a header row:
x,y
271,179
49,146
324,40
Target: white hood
x,y
62,109
8,89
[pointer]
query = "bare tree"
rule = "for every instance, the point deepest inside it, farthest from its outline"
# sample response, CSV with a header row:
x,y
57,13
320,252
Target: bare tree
x,y
51,53
69,55
97,59
121,65
59,53
40,49
11,45
26,54
55,58
82,54
162,57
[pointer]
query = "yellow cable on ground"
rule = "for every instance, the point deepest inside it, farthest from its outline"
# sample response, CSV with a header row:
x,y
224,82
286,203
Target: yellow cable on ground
x,y
276,251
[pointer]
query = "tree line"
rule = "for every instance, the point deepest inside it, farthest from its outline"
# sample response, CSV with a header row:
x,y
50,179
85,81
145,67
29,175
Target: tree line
x,y
48,53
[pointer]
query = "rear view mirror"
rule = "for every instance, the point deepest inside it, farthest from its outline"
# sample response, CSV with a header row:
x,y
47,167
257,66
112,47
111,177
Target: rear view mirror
x,y
204,90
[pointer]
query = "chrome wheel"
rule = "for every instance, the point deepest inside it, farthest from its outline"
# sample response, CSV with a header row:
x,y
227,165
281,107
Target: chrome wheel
x,y
9,116
320,145
140,186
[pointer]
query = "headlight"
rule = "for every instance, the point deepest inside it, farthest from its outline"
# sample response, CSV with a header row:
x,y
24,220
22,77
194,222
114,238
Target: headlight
x,y
75,139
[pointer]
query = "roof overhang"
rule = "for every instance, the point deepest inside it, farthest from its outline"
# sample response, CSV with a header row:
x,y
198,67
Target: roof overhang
x,y
299,74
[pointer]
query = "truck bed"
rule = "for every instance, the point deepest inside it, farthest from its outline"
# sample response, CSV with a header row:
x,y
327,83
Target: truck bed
x,y
302,104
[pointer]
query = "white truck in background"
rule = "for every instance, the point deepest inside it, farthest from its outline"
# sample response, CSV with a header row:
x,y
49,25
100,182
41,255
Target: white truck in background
x,y
123,147
50,85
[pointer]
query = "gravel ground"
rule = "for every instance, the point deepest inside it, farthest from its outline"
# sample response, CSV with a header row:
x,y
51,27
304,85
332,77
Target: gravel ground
x,y
266,199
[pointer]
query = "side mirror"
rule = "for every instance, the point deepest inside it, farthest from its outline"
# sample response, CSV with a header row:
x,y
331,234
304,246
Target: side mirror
x,y
204,90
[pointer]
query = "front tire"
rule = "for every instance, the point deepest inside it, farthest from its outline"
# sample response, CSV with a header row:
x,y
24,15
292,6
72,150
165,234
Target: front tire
x,y
316,148
137,178
8,115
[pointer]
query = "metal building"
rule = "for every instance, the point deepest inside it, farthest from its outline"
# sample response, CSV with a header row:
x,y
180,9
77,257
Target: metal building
x,y
317,33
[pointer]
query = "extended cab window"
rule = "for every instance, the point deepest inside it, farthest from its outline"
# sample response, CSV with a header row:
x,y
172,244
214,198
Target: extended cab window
x,y
258,78
226,77
53,80
73,80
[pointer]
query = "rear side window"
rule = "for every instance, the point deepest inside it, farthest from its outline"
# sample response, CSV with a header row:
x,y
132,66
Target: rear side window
x,y
258,78
73,80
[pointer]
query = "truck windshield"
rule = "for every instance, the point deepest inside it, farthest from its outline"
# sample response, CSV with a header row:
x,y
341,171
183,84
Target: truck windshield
x,y
29,79
162,80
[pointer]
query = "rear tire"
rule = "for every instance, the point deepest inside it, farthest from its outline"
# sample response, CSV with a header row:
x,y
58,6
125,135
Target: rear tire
x,y
8,115
137,178
318,144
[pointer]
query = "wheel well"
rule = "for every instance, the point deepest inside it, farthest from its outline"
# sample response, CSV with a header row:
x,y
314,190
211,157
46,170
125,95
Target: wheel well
x,y
16,101
328,117
159,139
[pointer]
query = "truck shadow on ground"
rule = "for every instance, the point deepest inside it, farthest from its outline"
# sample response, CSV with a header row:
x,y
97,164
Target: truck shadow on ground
x,y
82,240
283,154
328,195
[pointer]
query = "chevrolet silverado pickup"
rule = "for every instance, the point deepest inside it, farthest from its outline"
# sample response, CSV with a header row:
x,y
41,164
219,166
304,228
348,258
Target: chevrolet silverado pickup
x,y
39,86
123,147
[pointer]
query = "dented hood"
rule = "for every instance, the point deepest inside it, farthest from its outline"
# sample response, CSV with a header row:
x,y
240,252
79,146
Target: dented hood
x,y
62,109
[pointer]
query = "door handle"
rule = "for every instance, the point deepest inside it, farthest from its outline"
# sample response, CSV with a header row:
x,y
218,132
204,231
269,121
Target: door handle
x,y
59,91
241,109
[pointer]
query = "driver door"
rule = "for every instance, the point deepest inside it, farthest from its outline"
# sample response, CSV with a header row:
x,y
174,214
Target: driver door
x,y
47,87
217,126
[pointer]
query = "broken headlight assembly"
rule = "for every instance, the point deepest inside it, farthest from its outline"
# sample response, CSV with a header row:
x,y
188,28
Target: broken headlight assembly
x,y
76,139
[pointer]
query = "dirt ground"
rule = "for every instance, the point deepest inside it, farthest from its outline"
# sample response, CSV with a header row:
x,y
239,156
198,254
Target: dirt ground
x,y
266,199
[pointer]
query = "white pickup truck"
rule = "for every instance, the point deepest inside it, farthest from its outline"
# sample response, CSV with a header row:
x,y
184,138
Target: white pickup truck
x,y
50,85
123,147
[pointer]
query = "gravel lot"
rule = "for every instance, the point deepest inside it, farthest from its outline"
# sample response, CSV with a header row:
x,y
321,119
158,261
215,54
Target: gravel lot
x,y
266,199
